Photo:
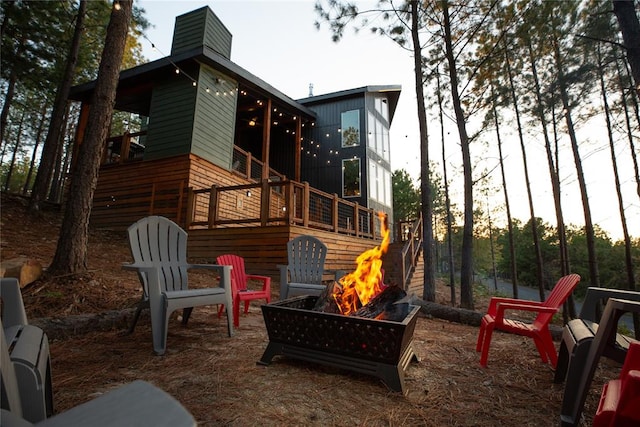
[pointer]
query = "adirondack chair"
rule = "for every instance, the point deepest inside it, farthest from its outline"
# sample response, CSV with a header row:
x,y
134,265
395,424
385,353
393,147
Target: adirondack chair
x,y
538,329
29,354
159,250
304,271
239,279
138,403
577,338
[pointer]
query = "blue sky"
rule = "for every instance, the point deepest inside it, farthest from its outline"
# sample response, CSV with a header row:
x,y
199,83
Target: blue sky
x,y
278,42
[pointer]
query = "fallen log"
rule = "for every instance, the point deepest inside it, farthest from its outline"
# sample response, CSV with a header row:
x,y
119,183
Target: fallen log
x,y
24,269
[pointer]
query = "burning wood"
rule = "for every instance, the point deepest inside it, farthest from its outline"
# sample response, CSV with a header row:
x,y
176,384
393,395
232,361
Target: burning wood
x,y
362,293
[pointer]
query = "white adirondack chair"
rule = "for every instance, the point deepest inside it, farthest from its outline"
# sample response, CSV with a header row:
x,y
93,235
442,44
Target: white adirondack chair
x,y
303,273
159,249
138,403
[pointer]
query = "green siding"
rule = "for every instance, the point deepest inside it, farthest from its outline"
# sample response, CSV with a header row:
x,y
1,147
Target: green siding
x,y
201,27
214,118
171,119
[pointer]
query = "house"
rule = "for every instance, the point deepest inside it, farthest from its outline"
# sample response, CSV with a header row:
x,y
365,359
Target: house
x,y
237,162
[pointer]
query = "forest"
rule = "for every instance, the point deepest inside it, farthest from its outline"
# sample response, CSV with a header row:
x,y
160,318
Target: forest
x,y
519,68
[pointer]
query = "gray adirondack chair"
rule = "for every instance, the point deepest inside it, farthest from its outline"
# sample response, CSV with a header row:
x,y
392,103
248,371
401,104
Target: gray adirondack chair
x,y
304,271
29,354
138,403
159,249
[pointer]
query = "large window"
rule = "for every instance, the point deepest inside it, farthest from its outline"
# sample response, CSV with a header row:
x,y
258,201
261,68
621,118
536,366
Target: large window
x,y
379,184
351,178
350,125
378,128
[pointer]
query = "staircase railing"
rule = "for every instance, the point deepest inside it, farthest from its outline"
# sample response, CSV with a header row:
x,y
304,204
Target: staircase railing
x,y
411,249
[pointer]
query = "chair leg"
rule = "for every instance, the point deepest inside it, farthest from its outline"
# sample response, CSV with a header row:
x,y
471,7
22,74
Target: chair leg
x,y
236,312
542,350
483,326
484,355
246,307
136,316
563,363
220,310
186,313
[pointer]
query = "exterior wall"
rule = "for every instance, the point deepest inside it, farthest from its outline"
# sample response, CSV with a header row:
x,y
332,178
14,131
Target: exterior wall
x,y
264,248
322,153
171,118
201,27
214,117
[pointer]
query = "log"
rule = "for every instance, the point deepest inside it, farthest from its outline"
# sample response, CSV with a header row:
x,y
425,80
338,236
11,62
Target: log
x,y
24,269
326,303
383,306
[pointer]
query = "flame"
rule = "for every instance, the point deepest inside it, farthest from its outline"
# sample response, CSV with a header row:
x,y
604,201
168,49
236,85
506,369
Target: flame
x,y
360,286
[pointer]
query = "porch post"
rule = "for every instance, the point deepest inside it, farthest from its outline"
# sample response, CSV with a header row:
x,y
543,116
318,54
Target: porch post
x,y
297,154
266,139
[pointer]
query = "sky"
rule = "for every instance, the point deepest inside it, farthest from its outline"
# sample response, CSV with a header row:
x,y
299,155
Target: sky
x,y
276,40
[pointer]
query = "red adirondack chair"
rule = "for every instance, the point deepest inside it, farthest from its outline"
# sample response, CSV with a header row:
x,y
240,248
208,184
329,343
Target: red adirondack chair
x,y
538,329
239,279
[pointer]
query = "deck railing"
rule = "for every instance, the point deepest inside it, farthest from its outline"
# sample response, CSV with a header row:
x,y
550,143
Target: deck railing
x,y
411,234
278,202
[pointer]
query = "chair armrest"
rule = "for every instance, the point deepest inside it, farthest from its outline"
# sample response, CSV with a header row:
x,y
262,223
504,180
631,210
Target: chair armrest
x,y
223,270
595,295
493,303
536,308
266,281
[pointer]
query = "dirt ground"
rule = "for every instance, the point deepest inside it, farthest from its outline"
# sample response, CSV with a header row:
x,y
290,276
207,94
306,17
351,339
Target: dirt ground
x,y
217,379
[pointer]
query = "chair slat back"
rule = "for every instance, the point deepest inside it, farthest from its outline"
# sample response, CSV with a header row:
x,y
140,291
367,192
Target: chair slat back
x,y
557,297
238,274
161,242
306,255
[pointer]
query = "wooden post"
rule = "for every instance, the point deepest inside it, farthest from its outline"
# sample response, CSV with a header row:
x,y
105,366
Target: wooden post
x,y
289,202
334,212
264,202
190,207
298,147
305,205
266,139
180,189
356,222
125,147
247,166
213,206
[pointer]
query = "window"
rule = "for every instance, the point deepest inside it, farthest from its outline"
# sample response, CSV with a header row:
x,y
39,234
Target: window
x,y
351,178
350,125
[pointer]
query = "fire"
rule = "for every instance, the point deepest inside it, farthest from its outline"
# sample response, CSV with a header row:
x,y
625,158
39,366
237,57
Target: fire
x,y
360,286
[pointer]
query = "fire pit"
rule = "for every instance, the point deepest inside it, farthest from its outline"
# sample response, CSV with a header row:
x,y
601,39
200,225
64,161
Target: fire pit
x,y
380,348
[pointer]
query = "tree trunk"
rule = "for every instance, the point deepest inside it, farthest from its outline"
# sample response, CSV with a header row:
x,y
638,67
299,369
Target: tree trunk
x,y
54,140
429,288
16,149
534,222
631,284
627,120
594,275
466,267
452,270
43,116
630,28
71,252
512,246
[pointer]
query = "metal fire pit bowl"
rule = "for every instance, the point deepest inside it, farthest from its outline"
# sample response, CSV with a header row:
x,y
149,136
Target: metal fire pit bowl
x,y
380,348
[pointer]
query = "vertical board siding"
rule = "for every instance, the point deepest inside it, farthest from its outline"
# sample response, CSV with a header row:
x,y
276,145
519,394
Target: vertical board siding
x,y
214,117
171,119
201,27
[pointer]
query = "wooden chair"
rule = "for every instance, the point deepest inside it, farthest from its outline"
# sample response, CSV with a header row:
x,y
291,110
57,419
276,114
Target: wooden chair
x,y
239,280
159,250
28,349
305,269
538,329
138,403
577,337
